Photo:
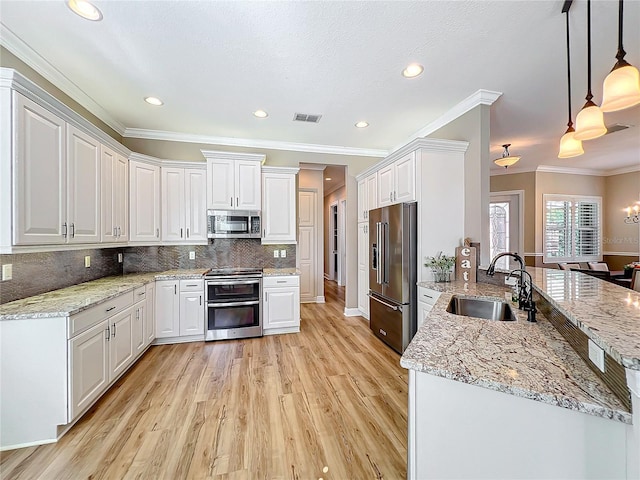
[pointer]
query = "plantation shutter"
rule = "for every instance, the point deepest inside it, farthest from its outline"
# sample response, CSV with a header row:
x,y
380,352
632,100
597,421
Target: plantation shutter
x,y
587,226
558,230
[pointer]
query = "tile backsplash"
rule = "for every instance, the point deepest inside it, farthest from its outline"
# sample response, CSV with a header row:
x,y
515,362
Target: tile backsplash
x,y
36,273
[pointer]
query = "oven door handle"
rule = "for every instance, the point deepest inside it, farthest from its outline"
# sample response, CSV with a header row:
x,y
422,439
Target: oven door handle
x,y
233,282
233,304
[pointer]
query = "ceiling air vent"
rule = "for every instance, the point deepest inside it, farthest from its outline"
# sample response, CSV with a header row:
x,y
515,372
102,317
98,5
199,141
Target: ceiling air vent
x,y
616,127
305,117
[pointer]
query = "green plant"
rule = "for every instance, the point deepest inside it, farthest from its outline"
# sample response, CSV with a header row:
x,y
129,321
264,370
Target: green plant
x,y
441,266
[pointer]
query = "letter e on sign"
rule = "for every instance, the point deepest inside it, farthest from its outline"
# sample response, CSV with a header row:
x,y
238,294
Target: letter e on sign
x,y
466,264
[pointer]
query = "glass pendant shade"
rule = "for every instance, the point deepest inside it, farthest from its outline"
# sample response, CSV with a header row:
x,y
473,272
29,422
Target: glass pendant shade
x,y
569,146
621,89
589,122
506,160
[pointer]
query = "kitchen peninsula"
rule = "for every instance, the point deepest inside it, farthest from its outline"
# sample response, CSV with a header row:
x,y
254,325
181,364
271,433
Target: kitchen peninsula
x,y
541,411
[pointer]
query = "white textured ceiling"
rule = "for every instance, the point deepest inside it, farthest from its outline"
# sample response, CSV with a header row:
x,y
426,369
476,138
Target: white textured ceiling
x,y
214,63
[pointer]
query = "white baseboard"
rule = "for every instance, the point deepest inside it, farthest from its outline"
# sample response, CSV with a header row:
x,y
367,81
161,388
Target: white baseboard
x,y
280,331
320,299
352,312
170,340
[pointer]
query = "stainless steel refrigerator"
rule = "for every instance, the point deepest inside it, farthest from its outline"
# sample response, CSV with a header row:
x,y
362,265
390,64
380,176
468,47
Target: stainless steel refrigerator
x,y
393,274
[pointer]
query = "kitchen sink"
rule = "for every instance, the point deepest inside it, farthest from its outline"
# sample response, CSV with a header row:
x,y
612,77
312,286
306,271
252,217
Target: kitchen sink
x,y
481,308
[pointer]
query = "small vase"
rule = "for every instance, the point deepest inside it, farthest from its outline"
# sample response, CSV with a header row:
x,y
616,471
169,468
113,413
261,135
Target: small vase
x,y
440,276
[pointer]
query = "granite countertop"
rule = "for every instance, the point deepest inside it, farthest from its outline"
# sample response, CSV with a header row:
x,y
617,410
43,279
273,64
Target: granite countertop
x,y
71,300
607,313
274,272
529,360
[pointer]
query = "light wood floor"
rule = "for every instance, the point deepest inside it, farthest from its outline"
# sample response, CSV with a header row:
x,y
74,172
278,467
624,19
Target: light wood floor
x,y
289,406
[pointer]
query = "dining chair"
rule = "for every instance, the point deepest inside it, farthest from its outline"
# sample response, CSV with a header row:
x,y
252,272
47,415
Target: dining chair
x,y
635,279
602,266
569,266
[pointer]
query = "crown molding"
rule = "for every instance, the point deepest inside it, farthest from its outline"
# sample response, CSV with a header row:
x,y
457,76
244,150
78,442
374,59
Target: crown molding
x,y
24,52
280,170
620,171
569,170
219,155
251,143
313,166
139,157
480,97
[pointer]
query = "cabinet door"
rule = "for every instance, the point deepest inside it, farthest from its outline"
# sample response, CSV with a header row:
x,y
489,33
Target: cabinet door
x,y
173,205
405,190
108,180
362,200
83,187
40,212
195,204
144,202
363,245
423,310
247,185
278,208
150,315
89,367
137,328
372,193
281,307
363,292
167,309
363,268
121,343
386,182
121,198
220,184
191,313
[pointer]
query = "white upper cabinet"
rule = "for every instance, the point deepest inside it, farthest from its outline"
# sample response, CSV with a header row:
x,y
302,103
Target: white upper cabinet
x,y
396,182
40,165
183,204
367,196
362,201
386,185
233,180
279,205
115,196
144,197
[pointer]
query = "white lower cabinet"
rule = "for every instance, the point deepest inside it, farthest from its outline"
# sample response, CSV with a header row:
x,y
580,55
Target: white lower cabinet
x,y
121,343
139,320
363,269
179,310
281,304
426,300
150,314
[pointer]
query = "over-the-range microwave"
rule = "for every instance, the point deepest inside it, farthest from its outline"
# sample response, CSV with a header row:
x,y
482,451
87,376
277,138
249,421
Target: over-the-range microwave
x,y
233,224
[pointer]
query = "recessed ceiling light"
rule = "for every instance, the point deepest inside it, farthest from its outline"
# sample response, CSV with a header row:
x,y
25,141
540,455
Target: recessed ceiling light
x,y
154,101
328,179
85,10
412,70
260,114
362,124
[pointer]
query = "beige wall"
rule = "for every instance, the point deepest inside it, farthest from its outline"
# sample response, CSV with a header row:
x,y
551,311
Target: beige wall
x,y
334,197
473,127
9,60
620,238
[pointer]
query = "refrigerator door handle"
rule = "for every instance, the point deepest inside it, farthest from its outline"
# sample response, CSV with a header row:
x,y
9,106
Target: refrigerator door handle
x,y
380,253
392,307
384,254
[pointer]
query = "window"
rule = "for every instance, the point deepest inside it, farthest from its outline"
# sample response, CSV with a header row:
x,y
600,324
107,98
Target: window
x,y
572,228
499,232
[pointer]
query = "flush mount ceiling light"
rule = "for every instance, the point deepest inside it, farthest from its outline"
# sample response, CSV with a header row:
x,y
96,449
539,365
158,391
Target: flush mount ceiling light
x,y
85,10
154,101
260,114
622,86
506,160
590,121
412,70
362,124
569,146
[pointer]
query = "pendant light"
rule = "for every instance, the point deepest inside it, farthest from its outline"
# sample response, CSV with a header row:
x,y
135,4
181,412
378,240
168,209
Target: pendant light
x,y
622,86
569,146
506,160
589,121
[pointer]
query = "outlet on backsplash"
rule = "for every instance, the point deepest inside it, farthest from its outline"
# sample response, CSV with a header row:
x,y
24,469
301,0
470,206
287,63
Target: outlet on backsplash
x,y
7,272
87,261
276,254
283,254
192,255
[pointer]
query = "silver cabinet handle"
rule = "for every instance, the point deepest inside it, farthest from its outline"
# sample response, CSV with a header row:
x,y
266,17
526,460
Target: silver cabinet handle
x,y
141,293
191,285
112,308
200,299
187,232
113,334
383,332
119,232
175,289
231,204
264,232
235,304
428,296
138,314
108,332
281,281
64,225
115,232
73,230
237,201
157,233
392,307
181,233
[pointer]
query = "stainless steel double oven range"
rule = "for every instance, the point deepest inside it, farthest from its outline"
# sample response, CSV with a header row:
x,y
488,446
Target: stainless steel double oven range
x,y
234,303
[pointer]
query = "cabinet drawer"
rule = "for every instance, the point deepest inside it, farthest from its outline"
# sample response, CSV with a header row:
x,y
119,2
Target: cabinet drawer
x,y
427,295
281,281
191,285
139,294
83,320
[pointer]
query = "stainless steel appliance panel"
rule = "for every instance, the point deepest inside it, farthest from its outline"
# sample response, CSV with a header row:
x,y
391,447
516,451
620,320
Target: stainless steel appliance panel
x,y
391,322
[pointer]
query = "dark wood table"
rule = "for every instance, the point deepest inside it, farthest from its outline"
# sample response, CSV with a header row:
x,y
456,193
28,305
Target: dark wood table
x,y
617,277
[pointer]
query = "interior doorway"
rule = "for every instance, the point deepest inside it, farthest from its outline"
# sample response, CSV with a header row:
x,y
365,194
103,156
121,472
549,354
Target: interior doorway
x,y
334,247
506,226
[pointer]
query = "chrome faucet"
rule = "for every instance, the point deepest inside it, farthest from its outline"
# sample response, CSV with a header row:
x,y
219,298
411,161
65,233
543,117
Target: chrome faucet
x,y
525,291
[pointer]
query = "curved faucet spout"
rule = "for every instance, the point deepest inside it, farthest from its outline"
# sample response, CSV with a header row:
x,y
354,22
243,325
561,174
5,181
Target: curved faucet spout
x,y
492,267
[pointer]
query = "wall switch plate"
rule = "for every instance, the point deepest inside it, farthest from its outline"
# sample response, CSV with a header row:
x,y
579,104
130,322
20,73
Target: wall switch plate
x,y
275,254
7,272
511,281
87,261
283,253
192,255
596,355
119,258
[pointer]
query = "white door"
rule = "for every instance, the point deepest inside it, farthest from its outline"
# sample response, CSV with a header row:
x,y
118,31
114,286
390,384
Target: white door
x,y
89,362
167,309
220,184
173,205
405,179
247,185
306,252
145,202
195,204
191,313
281,307
333,246
121,343
40,198
505,227
386,183
83,187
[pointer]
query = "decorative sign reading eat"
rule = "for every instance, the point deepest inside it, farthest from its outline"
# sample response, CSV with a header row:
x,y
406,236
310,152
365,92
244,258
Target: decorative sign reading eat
x,y
466,264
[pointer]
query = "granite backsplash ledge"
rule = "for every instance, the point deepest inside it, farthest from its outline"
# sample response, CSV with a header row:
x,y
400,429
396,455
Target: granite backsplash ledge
x,y
247,253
